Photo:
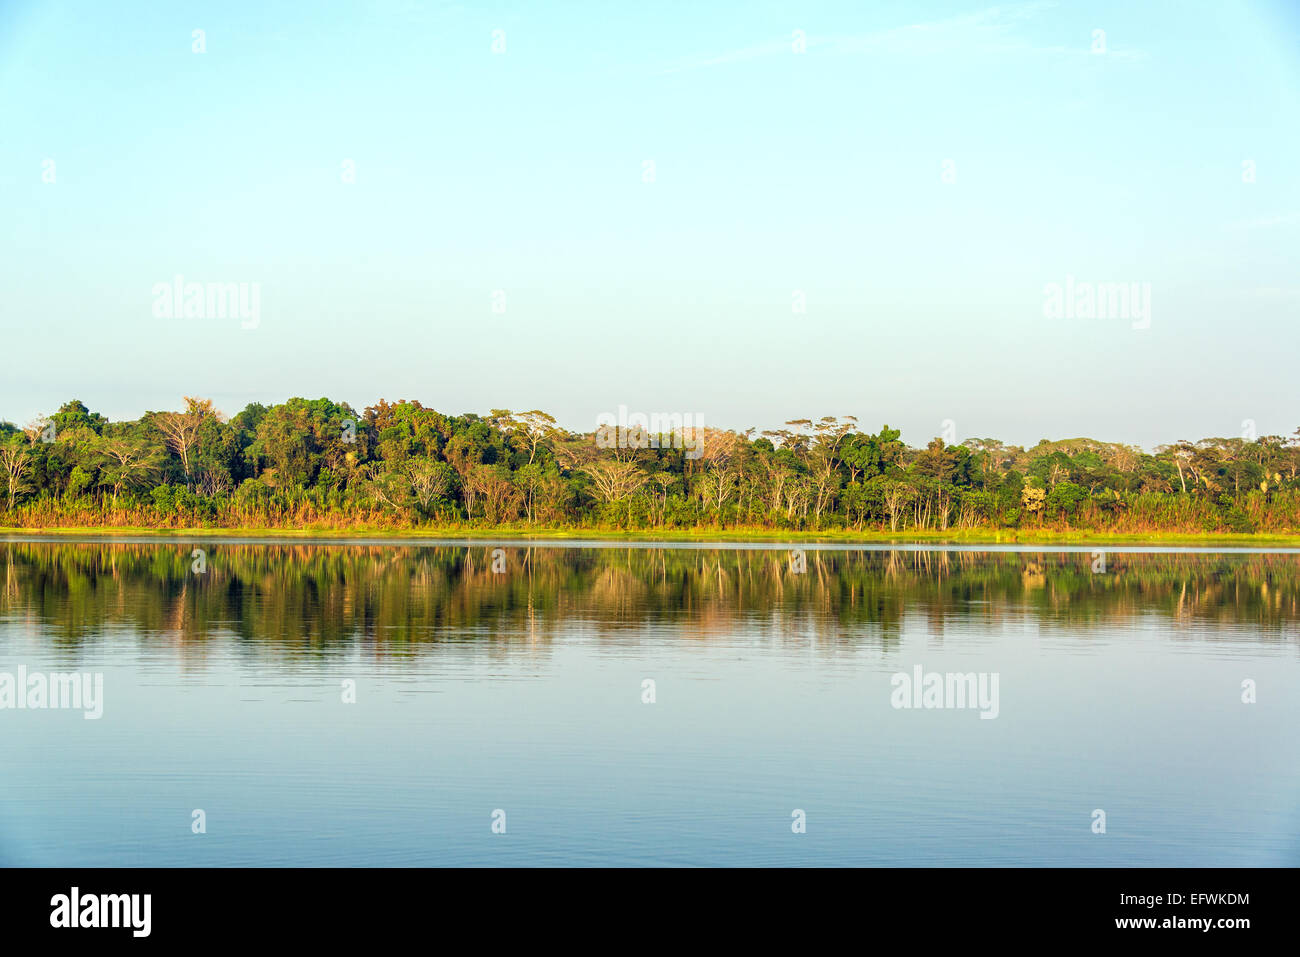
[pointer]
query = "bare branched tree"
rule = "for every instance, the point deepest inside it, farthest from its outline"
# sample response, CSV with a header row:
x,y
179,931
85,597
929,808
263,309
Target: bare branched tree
x,y
181,429
16,462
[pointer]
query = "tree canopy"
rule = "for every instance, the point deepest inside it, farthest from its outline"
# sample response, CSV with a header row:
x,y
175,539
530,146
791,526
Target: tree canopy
x,y
318,461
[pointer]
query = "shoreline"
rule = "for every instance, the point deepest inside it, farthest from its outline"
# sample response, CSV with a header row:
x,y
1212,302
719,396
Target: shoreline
x,y
695,536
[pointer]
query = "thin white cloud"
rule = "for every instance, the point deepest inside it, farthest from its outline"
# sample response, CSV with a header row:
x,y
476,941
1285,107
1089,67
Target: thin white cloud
x,y
1267,222
732,56
1277,293
993,31
413,10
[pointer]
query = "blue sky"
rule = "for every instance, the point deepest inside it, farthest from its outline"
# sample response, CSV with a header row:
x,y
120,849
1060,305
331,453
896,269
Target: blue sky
x,y
774,171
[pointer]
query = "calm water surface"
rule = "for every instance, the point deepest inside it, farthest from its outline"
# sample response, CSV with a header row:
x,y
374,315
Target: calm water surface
x,y
521,690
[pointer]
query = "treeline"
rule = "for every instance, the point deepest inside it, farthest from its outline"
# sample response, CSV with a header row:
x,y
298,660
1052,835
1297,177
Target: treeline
x,y
318,463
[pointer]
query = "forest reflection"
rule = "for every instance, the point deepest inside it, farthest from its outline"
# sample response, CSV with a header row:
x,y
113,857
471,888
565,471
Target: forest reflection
x,y
313,599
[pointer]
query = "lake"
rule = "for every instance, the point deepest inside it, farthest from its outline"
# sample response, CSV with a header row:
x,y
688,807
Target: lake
x,y
433,703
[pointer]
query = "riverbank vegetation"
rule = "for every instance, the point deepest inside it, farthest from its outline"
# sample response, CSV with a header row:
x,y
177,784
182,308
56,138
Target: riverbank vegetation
x,y
403,467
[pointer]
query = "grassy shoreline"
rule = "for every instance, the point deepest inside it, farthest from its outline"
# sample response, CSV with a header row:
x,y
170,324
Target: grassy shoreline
x,y
838,536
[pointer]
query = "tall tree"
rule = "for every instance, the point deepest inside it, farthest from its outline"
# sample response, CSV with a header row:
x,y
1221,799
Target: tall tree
x,y
16,462
181,429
